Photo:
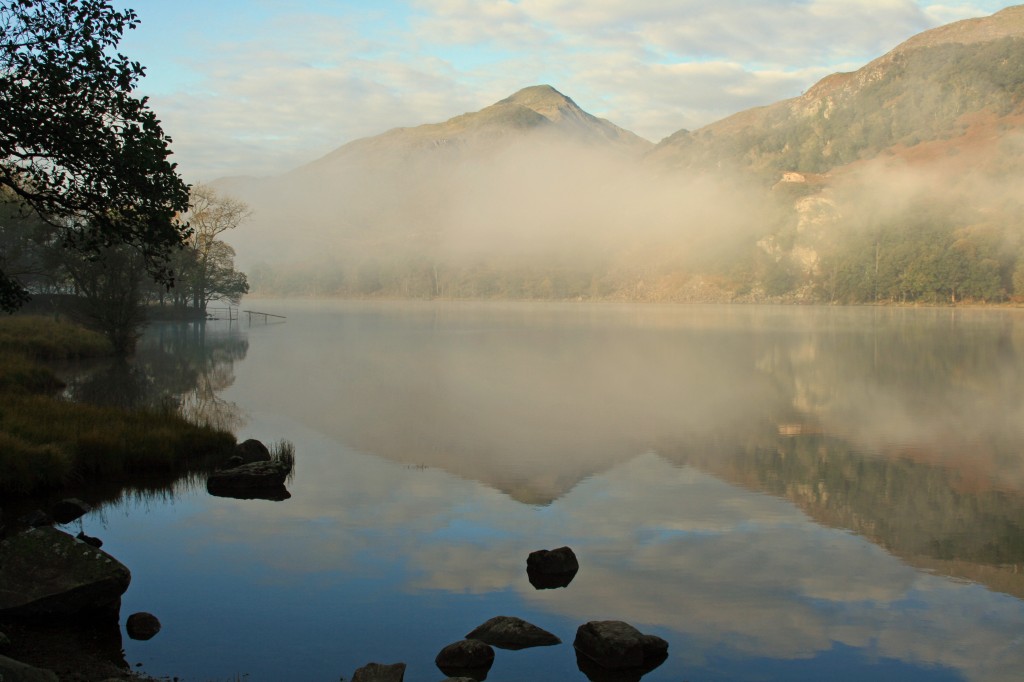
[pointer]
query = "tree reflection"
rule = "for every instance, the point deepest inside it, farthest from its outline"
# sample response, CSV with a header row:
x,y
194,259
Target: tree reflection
x,y
178,366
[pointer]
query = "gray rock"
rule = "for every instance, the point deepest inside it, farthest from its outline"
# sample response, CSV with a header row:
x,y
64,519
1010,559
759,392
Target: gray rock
x,y
509,632
466,658
45,572
15,671
615,645
553,562
380,672
70,509
251,451
5,642
142,626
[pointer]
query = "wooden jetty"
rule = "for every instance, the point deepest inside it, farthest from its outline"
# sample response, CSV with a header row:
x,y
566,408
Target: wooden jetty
x,y
266,316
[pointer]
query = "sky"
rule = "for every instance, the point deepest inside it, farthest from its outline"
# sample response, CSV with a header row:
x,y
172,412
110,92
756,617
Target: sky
x,y
258,87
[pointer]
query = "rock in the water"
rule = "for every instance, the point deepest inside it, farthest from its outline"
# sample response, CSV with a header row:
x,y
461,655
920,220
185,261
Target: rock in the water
x,y
466,658
550,569
616,645
142,625
45,572
251,451
380,672
70,509
15,671
553,562
89,540
509,632
257,476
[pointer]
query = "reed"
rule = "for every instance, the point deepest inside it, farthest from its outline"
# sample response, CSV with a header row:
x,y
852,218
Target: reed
x,y
47,442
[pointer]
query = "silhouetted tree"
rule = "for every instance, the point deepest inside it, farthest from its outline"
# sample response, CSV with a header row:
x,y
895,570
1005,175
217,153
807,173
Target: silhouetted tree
x,y
76,147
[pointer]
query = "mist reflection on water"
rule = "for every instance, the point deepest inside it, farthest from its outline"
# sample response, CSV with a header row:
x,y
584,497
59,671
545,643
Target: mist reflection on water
x,y
705,463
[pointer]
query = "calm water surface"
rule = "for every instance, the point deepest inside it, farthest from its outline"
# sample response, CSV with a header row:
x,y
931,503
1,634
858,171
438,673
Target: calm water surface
x,y
781,493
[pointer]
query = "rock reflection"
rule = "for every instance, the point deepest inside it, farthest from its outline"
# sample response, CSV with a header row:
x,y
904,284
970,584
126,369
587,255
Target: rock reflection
x,y
596,673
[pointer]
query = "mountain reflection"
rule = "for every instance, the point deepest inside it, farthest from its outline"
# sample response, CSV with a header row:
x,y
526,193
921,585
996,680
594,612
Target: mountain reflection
x,y
906,426
707,466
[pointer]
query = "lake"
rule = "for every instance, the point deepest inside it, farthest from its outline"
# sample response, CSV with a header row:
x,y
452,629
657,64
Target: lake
x,y
781,493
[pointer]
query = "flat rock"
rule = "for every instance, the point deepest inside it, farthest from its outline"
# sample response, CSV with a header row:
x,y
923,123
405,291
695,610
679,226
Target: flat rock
x,y
44,572
466,658
254,476
16,671
509,632
615,645
380,672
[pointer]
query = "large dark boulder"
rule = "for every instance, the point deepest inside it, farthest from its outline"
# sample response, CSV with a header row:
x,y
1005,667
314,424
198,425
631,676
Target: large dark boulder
x,y
509,632
45,572
142,626
615,645
466,658
254,480
380,672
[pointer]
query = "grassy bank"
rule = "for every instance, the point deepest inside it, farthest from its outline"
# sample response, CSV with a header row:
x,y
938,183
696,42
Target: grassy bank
x,y
47,442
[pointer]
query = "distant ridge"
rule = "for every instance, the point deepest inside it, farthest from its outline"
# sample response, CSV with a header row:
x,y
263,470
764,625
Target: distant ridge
x,y
919,91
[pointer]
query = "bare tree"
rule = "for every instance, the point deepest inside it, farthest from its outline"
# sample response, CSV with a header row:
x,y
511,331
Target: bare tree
x,y
211,215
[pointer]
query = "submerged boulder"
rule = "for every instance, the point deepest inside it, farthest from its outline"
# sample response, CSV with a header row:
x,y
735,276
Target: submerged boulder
x,y
509,632
615,645
380,672
44,572
256,477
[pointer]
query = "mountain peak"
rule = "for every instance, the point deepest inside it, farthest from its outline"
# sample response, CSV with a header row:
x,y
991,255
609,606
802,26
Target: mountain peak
x,y
543,99
1008,22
